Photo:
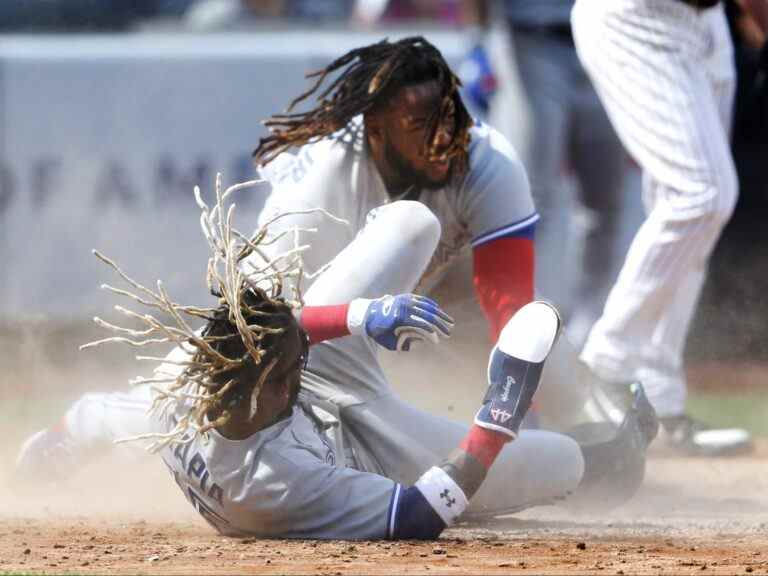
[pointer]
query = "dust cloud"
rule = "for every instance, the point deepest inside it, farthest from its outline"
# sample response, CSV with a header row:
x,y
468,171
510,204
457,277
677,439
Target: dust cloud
x,y
44,372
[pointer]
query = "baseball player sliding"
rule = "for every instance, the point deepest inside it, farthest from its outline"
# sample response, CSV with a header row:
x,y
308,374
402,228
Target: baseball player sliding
x,y
256,452
390,149
664,71
389,124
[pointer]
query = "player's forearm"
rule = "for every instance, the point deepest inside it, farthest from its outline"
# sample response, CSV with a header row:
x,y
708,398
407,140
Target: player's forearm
x,y
752,22
756,10
333,321
394,322
443,492
325,322
503,277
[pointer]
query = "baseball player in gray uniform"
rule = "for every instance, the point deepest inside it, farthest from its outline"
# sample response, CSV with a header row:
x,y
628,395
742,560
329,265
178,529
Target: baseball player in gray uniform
x,y
258,447
402,132
664,71
391,137
350,460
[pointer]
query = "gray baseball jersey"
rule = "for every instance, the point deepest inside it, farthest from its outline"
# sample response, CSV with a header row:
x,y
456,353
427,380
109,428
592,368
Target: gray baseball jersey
x,y
338,469
289,480
492,200
283,481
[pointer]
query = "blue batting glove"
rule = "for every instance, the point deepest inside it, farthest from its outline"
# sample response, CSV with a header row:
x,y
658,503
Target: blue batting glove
x,y
395,322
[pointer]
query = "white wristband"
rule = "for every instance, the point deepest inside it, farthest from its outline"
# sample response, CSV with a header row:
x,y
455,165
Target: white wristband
x,y
356,316
443,494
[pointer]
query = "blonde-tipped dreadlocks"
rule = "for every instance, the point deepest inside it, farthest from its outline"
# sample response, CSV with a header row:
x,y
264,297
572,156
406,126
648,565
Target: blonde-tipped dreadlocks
x,y
241,343
369,77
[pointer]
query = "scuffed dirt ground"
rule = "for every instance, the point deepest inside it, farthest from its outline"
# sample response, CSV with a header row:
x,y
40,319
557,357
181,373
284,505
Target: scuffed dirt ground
x,y
87,546
125,516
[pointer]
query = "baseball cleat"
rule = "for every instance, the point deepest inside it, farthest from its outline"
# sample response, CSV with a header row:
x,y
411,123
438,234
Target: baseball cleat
x,y
694,438
43,457
515,365
647,419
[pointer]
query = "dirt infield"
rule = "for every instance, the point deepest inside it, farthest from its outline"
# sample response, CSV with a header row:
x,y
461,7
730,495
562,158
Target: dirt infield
x,y
87,547
126,516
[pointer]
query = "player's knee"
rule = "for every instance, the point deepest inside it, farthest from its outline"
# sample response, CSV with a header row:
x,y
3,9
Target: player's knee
x,y
565,461
724,188
416,223
710,203
559,466
571,466
729,193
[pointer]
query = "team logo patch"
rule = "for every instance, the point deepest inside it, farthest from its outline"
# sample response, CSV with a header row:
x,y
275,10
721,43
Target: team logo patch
x,y
500,415
446,495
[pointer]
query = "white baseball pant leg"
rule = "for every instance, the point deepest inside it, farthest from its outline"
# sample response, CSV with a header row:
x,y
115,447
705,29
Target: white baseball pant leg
x,y
94,421
388,257
665,75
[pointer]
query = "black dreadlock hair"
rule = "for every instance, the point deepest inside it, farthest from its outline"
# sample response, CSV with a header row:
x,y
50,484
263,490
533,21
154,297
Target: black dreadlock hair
x,y
369,77
285,341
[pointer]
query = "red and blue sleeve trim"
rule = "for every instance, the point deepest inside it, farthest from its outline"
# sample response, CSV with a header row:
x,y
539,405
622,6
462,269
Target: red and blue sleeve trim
x,y
522,229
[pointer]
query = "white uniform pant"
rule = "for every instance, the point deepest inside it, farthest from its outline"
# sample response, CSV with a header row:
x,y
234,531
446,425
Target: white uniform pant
x,y
395,438
664,72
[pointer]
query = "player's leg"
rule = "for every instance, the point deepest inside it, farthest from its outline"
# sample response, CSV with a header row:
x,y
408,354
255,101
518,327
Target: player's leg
x,y
388,256
400,440
88,428
388,435
535,468
664,110
670,393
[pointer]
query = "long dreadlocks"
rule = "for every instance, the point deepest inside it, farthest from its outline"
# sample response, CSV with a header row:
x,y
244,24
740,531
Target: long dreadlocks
x,y
250,337
368,78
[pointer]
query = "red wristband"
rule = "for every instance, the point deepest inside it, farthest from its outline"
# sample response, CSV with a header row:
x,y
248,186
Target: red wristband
x,y
484,445
325,322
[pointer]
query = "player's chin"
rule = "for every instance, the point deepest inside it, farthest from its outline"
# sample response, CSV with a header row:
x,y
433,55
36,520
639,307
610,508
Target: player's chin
x,y
438,174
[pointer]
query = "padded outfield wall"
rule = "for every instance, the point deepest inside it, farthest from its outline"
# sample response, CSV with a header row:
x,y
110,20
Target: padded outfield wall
x,y
103,137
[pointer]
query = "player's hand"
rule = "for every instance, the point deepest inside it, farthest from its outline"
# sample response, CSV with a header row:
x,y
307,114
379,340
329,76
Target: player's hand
x,y
752,22
395,322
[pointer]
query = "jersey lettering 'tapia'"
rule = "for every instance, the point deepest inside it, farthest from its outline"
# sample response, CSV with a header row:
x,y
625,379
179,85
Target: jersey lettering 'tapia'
x,y
211,516
196,469
216,520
